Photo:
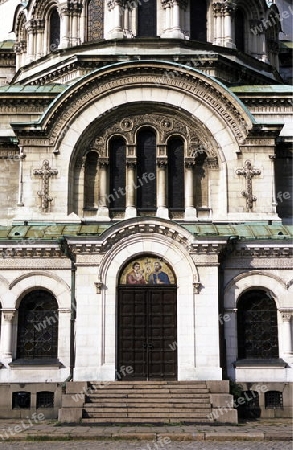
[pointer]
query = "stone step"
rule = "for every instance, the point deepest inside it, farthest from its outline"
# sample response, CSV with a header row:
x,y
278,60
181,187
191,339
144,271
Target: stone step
x,y
93,391
146,414
140,420
147,401
150,406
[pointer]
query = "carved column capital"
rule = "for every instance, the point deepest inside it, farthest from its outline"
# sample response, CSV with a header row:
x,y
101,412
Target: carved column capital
x,y
99,286
162,162
197,287
8,314
286,315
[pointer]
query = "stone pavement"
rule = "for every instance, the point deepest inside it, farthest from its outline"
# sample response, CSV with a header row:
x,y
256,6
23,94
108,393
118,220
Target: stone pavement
x,y
32,429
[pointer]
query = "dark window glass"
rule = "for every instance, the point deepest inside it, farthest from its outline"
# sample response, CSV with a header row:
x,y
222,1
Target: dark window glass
x,y
117,194
198,20
146,165
37,326
175,173
90,179
147,19
273,399
54,30
95,20
257,326
239,30
21,400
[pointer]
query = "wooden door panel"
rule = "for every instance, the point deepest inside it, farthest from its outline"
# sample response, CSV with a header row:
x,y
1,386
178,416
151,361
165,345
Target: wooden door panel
x,y
147,330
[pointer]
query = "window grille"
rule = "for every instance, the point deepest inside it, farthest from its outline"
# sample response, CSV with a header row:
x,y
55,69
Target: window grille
x,y
273,399
257,326
37,326
95,20
45,399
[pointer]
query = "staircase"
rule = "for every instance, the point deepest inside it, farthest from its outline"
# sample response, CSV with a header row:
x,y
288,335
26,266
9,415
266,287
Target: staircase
x,y
147,402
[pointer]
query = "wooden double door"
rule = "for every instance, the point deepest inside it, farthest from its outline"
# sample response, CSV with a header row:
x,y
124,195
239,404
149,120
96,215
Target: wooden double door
x,y
147,333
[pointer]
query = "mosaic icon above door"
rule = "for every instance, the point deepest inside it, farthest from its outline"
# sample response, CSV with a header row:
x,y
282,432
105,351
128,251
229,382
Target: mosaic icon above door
x,y
147,270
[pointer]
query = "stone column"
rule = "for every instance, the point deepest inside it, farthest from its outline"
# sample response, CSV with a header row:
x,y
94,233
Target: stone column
x,y
75,39
8,316
217,7
130,188
114,6
40,38
81,190
228,11
190,211
30,42
103,210
64,26
176,28
162,211
287,335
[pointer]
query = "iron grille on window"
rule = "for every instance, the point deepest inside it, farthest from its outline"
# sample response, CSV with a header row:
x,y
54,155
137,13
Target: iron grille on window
x,y
249,405
37,326
95,20
45,399
257,326
273,399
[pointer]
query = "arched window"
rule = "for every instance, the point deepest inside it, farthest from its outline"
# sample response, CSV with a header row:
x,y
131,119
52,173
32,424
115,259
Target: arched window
x,y
200,181
146,164
198,20
54,39
95,20
257,326
239,30
175,173
91,180
117,153
147,19
37,326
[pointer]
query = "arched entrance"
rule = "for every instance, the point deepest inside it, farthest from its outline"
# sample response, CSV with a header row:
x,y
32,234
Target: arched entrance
x,y
147,320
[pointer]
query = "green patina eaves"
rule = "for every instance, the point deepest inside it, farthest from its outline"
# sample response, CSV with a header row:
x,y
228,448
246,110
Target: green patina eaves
x,y
55,231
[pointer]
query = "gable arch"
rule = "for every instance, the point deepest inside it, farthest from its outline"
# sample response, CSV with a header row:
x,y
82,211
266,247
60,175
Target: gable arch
x,y
109,87
42,280
273,285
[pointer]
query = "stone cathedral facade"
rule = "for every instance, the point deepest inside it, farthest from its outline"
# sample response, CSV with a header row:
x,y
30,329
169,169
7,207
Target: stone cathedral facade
x,y
146,196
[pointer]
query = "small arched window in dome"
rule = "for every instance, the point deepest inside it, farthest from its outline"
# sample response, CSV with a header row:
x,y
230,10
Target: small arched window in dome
x,y
198,20
239,30
54,39
95,20
147,19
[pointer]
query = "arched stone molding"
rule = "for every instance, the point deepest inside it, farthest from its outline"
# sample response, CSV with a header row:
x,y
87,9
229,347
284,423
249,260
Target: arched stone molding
x,y
130,246
4,286
271,283
118,85
41,280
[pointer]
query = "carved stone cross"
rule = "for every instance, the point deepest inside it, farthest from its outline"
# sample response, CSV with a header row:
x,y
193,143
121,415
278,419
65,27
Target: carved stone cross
x,y
249,172
46,172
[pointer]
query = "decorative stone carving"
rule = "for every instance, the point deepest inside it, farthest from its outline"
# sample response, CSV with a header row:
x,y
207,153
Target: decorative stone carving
x,y
99,286
197,287
249,172
45,172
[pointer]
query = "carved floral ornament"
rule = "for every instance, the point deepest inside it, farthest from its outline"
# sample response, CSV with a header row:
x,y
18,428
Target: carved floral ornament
x,y
154,74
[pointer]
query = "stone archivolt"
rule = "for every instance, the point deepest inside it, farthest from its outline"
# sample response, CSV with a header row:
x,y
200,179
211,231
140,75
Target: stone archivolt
x,y
95,86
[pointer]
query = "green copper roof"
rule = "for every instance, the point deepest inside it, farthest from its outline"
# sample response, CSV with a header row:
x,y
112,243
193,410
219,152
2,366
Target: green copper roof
x,y
55,231
45,89
264,88
7,45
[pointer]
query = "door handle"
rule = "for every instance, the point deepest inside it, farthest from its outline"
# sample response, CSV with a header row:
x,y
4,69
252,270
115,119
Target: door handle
x,y
150,346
